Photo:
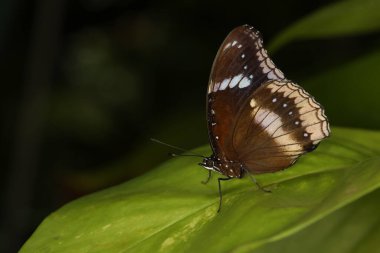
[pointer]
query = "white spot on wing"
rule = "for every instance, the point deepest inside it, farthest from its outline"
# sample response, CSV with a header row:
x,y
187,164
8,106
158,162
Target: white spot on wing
x,y
270,63
271,75
245,82
234,43
224,84
227,46
260,42
264,67
266,118
264,53
216,87
270,121
259,55
235,80
275,128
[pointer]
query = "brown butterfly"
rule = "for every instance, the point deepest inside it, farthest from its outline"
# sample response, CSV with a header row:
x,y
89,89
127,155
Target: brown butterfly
x,y
258,121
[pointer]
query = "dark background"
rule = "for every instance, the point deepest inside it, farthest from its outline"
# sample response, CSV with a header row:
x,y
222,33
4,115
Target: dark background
x,y
85,84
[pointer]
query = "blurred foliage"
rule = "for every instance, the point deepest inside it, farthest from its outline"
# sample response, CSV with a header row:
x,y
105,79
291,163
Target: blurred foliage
x,y
343,18
169,210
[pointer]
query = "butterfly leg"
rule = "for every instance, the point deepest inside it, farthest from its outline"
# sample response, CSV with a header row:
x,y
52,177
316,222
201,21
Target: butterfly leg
x,y
208,178
257,184
220,190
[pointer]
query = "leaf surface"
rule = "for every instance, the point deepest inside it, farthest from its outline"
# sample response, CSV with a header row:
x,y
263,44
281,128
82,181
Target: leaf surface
x,y
169,210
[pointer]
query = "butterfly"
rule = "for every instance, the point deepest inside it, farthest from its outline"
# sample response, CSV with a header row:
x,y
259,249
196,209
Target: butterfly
x,y
258,121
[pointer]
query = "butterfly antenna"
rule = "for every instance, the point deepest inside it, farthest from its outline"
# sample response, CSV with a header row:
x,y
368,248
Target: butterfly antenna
x,y
178,148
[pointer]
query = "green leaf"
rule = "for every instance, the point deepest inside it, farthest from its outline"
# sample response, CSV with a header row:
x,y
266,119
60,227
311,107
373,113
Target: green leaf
x,y
352,17
355,228
169,210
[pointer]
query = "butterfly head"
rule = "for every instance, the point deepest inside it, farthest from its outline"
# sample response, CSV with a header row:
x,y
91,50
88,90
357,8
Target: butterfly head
x,y
223,166
209,164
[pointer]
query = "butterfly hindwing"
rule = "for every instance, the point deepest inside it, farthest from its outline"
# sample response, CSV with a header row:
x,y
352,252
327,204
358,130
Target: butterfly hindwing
x,y
280,122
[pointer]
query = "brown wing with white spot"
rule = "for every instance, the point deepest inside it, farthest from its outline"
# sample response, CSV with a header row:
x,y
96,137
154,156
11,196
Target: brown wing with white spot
x,y
240,67
279,123
242,62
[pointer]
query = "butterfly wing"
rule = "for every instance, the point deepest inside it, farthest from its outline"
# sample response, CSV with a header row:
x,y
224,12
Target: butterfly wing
x,y
240,67
279,123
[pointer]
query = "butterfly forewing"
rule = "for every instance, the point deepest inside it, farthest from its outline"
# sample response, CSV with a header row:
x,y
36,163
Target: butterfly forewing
x,y
242,62
240,67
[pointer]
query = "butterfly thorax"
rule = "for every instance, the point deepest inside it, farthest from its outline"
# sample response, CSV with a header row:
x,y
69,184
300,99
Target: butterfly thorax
x,y
224,166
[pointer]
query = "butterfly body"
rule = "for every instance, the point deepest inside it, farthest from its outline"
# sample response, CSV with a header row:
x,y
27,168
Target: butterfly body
x,y
258,120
